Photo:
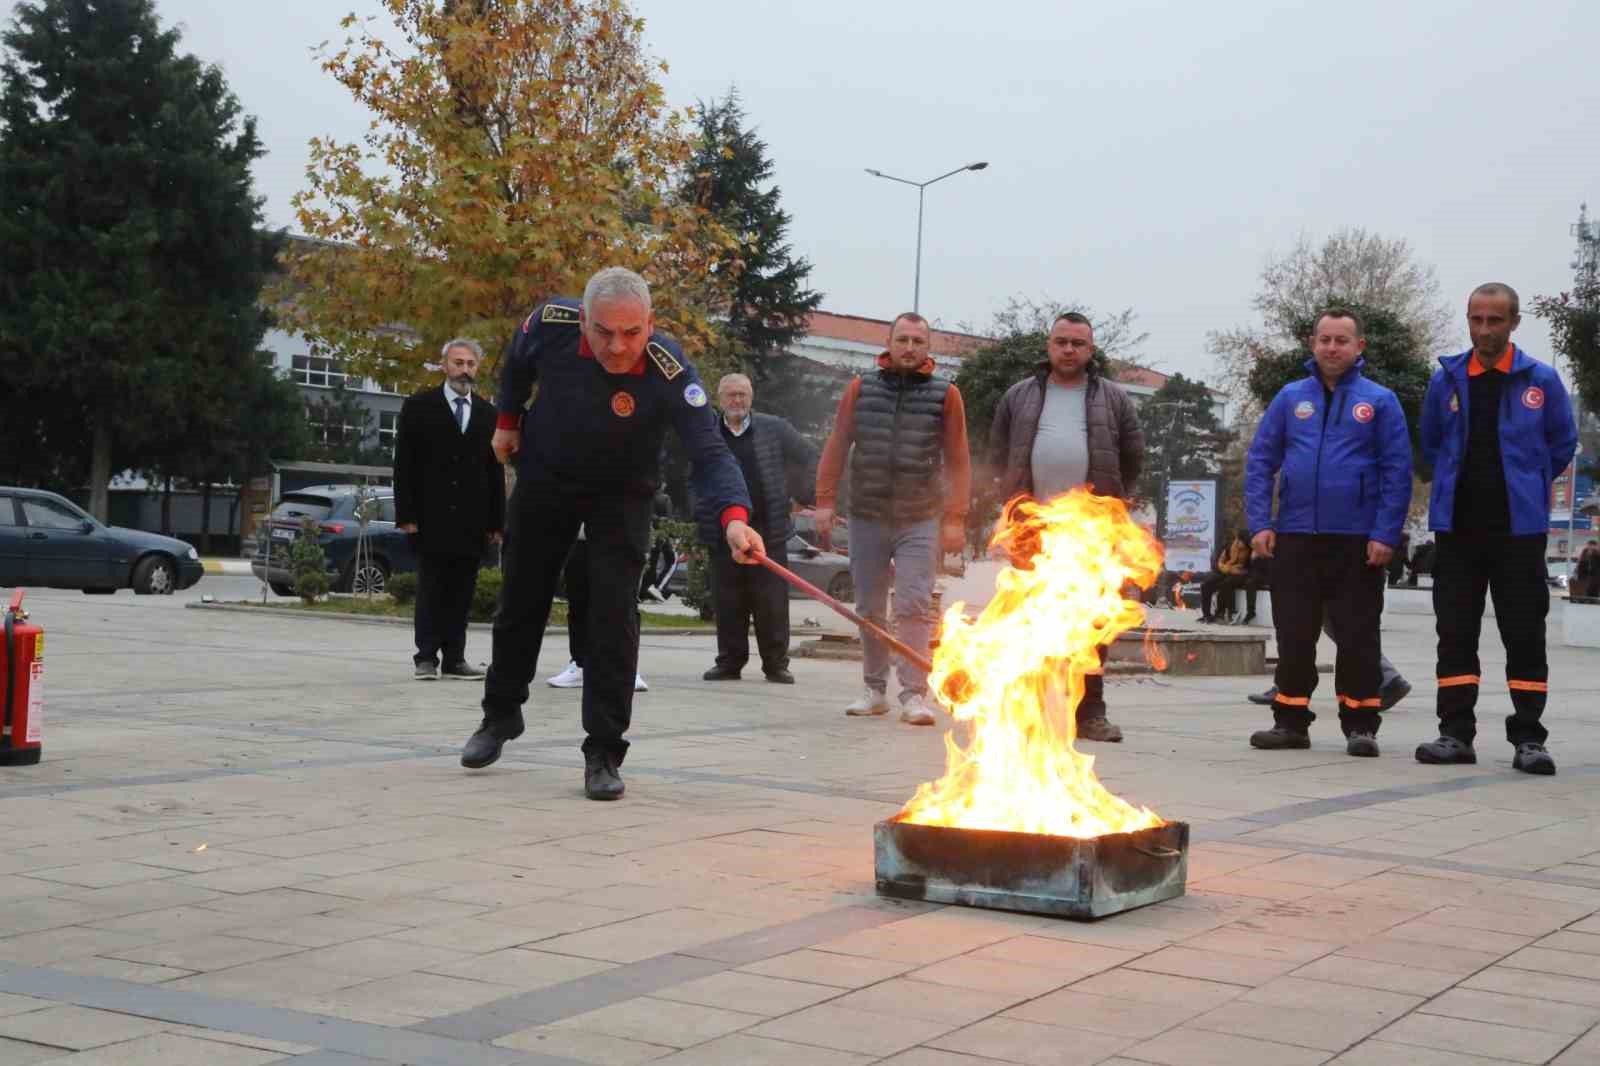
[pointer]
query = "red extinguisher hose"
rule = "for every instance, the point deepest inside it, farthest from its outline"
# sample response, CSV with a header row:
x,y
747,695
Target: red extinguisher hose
x,y
11,680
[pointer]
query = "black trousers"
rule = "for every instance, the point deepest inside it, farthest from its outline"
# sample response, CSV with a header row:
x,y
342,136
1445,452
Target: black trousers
x,y
1317,576
1093,704
444,597
1219,586
1512,570
740,594
576,578
542,529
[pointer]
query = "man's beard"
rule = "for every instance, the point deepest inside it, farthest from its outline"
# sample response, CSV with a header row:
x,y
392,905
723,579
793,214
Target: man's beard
x,y
461,384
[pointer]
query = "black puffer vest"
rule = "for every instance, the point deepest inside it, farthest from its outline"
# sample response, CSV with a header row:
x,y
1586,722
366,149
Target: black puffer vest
x,y
897,469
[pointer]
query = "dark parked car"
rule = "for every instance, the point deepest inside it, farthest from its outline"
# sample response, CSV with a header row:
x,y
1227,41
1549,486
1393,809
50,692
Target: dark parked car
x,y
829,571
333,509
48,541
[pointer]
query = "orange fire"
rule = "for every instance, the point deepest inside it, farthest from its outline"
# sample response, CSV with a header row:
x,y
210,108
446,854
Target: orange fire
x,y
1016,674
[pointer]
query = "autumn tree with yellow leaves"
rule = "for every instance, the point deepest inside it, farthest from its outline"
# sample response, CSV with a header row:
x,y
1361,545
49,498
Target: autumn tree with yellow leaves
x,y
516,146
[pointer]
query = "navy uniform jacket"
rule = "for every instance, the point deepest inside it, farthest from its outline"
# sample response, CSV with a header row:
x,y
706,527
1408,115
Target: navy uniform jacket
x,y
593,433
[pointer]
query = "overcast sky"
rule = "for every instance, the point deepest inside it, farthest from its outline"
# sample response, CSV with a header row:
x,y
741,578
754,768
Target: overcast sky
x,y
1142,153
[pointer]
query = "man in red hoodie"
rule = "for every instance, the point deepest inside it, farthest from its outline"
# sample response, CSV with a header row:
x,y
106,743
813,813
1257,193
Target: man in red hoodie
x,y
910,479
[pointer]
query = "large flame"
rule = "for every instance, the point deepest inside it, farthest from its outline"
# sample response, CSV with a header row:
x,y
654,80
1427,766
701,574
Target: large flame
x,y
1016,674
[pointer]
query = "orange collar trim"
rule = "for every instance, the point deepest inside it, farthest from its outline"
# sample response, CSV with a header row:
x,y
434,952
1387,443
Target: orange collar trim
x,y
1474,368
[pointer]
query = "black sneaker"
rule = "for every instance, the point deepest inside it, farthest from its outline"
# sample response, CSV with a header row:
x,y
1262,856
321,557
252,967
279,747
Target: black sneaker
x,y
780,676
1532,758
601,781
1392,693
1362,745
1264,699
482,749
1447,751
426,672
720,673
1278,738
461,671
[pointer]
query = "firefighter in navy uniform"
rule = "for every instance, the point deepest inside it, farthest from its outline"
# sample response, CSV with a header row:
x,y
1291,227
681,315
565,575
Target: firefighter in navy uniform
x,y
588,454
1497,428
1338,448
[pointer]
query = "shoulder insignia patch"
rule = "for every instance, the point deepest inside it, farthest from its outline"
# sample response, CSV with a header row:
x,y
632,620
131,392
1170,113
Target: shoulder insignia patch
x,y
567,316
694,395
664,360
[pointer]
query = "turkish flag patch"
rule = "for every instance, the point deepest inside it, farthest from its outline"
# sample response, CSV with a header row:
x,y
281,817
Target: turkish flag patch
x,y
1533,399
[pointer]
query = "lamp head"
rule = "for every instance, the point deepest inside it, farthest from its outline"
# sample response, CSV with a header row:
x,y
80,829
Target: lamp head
x,y
978,166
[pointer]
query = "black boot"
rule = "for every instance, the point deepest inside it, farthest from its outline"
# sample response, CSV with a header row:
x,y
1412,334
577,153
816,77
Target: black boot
x,y
601,781
1278,738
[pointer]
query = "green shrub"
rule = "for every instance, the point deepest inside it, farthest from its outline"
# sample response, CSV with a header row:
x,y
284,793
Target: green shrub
x,y
402,588
486,595
697,590
308,564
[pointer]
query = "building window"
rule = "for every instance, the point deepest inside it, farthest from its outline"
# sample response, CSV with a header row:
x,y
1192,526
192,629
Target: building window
x,y
330,433
308,370
388,430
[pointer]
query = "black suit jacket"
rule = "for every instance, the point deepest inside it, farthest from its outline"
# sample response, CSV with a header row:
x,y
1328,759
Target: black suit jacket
x,y
446,481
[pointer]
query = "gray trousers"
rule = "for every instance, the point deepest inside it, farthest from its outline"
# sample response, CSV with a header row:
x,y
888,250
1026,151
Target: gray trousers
x,y
912,548
1385,667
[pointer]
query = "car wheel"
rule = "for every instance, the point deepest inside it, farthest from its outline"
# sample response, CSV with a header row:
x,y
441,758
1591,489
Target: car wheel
x,y
373,577
280,588
842,588
155,576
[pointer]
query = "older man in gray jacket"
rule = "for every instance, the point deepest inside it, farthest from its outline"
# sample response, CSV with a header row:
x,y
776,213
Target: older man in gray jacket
x,y
1061,427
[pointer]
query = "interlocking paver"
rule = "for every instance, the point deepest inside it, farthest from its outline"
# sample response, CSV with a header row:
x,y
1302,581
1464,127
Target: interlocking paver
x,y
1477,1038
828,968
1524,1011
662,1021
1188,1046
172,1049
831,1026
76,1028
750,993
1015,1040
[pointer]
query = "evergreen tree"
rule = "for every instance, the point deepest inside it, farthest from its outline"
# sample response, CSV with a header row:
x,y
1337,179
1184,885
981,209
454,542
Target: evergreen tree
x,y
132,243
1183,442
730,176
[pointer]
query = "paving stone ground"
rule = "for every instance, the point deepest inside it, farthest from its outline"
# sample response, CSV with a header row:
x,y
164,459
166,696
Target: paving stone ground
x,y
250,842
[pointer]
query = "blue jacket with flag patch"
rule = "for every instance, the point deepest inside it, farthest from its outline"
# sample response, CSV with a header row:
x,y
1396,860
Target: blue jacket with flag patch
x,y
1538,437
1342,463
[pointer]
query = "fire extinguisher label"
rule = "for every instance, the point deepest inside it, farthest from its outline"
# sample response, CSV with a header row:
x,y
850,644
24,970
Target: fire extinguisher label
x,y
35,704
38,646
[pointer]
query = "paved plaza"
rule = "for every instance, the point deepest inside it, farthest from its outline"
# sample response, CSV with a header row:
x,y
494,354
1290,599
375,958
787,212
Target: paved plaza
x,y
250,842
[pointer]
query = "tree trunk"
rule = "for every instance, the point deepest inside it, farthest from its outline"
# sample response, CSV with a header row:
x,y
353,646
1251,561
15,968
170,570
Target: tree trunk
x,y
205,517
166,507
100,467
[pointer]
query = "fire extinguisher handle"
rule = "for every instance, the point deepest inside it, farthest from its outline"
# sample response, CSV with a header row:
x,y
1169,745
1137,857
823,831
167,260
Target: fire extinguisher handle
x,y
16,600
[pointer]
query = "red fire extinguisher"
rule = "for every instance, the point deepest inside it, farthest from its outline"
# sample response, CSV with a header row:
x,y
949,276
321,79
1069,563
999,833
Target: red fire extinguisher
x,y
22,659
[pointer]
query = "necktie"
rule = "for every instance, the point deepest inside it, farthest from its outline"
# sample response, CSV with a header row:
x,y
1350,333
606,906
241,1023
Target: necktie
x,y
461,412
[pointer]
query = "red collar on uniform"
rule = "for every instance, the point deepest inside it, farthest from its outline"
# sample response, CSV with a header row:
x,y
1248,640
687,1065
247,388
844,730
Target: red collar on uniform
x,y
585,352
1474,368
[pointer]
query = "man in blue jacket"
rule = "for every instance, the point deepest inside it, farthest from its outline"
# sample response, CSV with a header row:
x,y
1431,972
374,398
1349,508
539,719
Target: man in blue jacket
x,y
1339,449
588,454
1497,428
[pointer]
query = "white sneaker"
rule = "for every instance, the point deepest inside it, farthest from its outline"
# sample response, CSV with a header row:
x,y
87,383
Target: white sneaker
x,y
914,710
870,702
571,677
638,683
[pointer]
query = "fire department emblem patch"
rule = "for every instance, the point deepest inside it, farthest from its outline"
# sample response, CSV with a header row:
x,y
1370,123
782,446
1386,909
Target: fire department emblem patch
x,y
694,395
1533,399
622,404
1362,412
1455,403
1305,409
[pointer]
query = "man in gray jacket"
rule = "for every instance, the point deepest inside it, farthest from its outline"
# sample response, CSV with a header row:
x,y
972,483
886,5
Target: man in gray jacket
x,y
1062,427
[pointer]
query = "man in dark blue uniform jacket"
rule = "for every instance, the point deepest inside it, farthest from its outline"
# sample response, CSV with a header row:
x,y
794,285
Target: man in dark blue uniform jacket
x,y
588,453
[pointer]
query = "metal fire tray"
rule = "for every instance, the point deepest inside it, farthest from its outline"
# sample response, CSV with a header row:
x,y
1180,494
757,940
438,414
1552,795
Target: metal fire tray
x,y
1066,876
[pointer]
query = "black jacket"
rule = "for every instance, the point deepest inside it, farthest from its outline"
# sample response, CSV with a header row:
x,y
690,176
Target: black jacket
x,y
446,481
779,449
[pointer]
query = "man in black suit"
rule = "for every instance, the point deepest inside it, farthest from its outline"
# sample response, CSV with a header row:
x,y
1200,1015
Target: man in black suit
x,y
450,494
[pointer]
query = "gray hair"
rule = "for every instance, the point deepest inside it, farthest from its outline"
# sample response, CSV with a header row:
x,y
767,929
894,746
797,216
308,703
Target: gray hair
x,y
461,342
614,283
735,378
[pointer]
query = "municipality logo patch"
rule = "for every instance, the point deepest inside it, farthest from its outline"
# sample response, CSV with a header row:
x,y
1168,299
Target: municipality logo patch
x,y
1455,403
1533,399
1362,412
1305,409
694,395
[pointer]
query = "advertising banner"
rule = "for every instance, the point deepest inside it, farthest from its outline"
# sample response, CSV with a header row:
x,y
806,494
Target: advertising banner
x,y
1191,525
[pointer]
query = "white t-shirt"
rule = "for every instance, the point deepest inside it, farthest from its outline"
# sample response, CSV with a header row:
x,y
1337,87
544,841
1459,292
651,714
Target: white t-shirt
x,y
1061,447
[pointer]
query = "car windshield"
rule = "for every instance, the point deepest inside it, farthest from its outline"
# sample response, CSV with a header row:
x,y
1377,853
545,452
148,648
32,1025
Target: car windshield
x,y
295,506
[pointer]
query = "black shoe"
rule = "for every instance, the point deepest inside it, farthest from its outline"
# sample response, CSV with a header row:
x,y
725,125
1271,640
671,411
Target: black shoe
x,y
780,676
483,748
720,673
1363,745
1097,727
1248,620
1394,692
1278,738
1207,619
426,672
1447,751
1532,758
601,781
1264,699
461,671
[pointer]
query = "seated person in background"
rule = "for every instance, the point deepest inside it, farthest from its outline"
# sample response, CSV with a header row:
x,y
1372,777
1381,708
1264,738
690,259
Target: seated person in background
x,y
1233,565
1258,577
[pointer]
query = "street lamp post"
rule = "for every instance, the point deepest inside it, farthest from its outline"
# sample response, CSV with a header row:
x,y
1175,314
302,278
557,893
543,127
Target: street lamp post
x,y
921,186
